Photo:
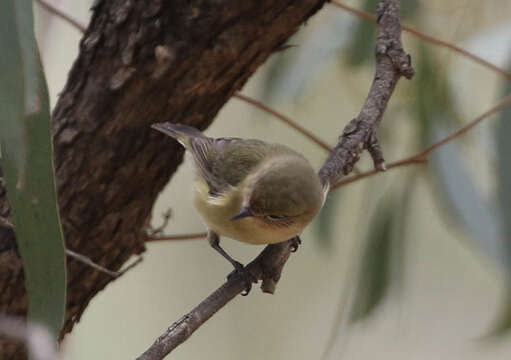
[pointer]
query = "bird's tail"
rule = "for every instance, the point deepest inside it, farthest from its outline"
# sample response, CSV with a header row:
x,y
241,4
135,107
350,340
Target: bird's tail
x,y
180,132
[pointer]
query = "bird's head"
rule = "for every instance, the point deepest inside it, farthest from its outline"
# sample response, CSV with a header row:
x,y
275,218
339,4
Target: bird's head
x,y
282,192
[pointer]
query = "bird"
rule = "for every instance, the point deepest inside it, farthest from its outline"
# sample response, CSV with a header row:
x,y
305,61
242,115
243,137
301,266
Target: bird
x,y
249,190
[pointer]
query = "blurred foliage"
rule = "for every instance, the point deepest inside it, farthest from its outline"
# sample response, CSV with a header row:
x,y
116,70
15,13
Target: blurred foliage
x,y
326,220
433,98
459,194
27,164
342,35
375,268
291,70
361,47
383,258
503,135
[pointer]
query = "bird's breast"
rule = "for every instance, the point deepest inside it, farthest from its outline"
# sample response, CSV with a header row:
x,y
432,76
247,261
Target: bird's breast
x,y
218,211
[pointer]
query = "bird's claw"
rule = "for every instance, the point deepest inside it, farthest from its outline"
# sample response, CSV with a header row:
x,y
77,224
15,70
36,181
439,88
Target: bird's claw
x,y
295,242
245,274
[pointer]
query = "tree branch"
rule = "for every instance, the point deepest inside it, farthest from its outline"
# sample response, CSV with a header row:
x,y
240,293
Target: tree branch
x,y
421,157
61,14
285,120
140,61
391,64
266,267
192,236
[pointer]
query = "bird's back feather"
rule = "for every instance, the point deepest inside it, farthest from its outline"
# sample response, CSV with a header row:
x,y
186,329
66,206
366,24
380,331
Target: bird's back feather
x,y
222,162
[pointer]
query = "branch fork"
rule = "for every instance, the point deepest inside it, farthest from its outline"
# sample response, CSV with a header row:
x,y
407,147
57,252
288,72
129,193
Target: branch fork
x,y
360,133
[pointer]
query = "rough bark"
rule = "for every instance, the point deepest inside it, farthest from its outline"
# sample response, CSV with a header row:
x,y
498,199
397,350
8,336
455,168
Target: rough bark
x,y
140,61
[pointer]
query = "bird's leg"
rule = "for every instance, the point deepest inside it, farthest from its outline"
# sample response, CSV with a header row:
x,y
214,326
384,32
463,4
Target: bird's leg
x,y
295,242
214,241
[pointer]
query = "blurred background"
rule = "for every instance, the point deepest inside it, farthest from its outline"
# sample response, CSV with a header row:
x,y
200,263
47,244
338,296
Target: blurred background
x,y
411,264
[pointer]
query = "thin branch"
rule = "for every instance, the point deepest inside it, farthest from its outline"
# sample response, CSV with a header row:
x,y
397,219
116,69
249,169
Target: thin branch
x,y
153,232
192,236
400,163
499,106
421,157
87,261
430,39
285,120
288,121
266,267
392,63
61,14
360,133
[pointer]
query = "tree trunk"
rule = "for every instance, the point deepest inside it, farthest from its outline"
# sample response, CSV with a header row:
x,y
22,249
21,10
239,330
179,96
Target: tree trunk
x,y
140,61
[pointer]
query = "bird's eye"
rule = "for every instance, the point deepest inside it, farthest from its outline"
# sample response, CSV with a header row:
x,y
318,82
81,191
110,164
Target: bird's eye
x,y
275,217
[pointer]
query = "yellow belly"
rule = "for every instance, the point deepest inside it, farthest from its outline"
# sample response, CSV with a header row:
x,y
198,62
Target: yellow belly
x,y
218,212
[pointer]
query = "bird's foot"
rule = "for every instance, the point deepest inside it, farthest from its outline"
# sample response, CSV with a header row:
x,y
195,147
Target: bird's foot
x,y
245,274
295,242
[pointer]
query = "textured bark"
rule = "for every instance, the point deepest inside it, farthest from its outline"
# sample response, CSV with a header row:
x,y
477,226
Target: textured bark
x,y
140,61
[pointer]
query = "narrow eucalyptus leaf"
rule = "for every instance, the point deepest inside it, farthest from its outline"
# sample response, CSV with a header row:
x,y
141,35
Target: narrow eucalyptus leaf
x,y
463,199
295,67
27,166
361,47
374,276
502,323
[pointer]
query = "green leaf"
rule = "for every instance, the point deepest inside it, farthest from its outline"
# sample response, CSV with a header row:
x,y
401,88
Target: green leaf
x,y
463,199
502,322
27,164
361,47
375,270
460,194
434,100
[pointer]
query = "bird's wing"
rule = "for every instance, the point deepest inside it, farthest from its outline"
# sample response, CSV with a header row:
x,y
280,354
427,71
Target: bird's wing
x,y
225,162
222,162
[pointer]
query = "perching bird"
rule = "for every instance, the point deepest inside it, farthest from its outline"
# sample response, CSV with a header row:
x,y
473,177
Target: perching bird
x,y
249,190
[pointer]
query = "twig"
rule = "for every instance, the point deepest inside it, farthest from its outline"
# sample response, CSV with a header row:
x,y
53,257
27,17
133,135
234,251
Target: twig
x,y
430,39
177,237
285,120
87,261
288,121
61,14
266,267
421,157
392,62
153,232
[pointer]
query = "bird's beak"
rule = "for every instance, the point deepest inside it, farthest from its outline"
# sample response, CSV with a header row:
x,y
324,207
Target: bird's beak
x,y
245,212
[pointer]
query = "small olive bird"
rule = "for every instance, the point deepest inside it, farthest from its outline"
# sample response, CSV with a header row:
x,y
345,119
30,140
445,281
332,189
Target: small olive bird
x,y
249,190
